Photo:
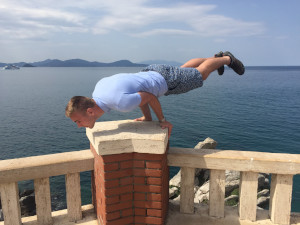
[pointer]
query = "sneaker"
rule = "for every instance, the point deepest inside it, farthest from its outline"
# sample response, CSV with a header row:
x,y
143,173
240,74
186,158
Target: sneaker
x,y
235,64
221,69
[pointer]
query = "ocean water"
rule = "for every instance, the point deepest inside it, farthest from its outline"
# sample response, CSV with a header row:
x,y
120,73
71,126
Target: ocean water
x,y
259,111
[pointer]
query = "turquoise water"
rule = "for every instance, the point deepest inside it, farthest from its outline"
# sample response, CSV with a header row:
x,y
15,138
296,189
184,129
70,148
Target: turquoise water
x,y
258,111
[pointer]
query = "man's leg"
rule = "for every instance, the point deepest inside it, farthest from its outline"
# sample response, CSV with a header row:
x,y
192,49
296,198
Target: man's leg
x,y
194,63
212,64
207,65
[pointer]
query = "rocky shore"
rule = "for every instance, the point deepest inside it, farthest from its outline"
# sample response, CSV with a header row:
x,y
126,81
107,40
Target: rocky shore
x,y
201,188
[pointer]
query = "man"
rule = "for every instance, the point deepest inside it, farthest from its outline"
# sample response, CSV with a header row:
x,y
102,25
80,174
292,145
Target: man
x,y
125,92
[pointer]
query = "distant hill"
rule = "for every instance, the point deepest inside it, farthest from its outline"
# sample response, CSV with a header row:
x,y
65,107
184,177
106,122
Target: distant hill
x,y
28,65
76,63
84,63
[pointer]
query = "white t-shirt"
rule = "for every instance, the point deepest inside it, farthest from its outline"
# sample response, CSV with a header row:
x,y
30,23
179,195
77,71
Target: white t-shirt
x,y
120,92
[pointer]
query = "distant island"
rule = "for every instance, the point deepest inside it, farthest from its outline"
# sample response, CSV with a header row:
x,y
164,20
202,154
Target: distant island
x,y
75,63
84,63
28,65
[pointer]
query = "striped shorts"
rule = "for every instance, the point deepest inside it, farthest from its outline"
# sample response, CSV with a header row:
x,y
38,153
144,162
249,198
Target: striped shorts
x,y
179,80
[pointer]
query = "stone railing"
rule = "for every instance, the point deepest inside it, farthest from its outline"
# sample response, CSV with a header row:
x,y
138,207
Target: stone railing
x,y
130,177
39,169
281,166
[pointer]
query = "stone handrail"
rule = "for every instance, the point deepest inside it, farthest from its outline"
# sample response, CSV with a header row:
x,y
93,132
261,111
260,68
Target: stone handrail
x,y
39,169
281,166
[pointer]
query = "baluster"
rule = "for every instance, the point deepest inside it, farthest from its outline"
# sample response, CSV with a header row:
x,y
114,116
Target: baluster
x,y
73,197
281,198
10,203
43,201
248,195
216,193
187,190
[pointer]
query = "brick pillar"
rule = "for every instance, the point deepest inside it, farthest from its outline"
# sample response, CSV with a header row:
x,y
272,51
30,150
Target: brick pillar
x,y
131,178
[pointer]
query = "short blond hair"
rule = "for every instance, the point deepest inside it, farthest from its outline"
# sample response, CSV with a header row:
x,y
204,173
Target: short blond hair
x,y
78,104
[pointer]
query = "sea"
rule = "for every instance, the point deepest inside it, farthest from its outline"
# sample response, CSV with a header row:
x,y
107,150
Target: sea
x,y
259,111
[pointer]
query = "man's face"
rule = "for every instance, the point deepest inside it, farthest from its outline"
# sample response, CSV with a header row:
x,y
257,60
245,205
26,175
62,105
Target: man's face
x,y
83,119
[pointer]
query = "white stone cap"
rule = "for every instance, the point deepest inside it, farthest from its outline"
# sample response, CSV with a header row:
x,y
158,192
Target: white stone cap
x,y
126,136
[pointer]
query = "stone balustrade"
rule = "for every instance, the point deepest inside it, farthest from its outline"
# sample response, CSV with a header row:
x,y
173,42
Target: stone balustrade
x,y
39,169
250,163
130,162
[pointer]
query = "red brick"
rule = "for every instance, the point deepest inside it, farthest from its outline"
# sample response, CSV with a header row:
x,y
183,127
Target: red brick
x,y
117,157
147,204
140,196
111,183
111,167
154,197
140,212
154,165
112,200
147,172
99,175
119,206
154,212
118,174
126,197
93,150
153,181
139,180
147,188
126,164
147,220
122,221
126,180
146,156
127,212
98,161
118,190
139,163
102,213
113,215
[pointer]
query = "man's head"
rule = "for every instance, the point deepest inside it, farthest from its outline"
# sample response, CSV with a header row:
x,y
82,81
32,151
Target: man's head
x,y
81,110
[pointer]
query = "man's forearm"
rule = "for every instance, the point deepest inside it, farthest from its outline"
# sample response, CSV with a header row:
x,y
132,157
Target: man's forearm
x,y
156,106
148,98
146,112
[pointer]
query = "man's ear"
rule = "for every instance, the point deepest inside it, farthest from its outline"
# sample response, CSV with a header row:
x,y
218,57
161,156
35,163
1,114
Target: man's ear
x,y
90,111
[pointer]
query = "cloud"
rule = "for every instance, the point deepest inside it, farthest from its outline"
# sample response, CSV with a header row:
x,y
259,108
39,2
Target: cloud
x,y
180,19
30,19
23,22
218,25
163,32
142,19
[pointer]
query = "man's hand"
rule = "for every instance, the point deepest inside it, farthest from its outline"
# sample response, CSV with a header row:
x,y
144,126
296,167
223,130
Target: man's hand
x,y
142,119
168,125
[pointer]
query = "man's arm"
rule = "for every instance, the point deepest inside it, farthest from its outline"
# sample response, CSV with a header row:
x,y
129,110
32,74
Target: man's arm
x,y
153,101
146,112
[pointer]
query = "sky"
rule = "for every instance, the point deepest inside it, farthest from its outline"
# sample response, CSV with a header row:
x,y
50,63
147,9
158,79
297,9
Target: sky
x,y
259,32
